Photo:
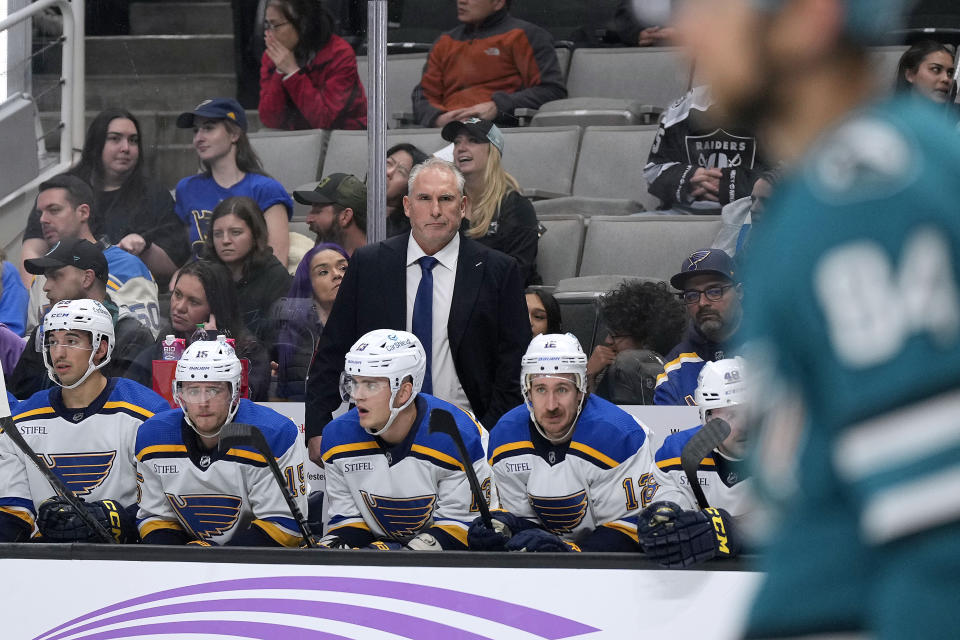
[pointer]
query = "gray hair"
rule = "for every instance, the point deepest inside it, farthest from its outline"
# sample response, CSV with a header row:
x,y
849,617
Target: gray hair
x,y
434,162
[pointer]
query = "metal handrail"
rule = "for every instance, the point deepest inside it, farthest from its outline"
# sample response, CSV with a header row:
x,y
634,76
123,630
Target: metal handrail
x,y
72,75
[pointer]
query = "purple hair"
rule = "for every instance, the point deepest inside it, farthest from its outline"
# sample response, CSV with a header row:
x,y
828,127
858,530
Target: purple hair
x,y
301,286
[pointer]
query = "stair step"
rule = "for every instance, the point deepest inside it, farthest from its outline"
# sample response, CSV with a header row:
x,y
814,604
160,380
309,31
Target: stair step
x,y
180,18
148,55
140,92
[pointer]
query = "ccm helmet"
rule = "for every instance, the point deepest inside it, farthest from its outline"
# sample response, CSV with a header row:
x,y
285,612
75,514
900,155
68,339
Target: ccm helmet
x,y
79,315
551,354
209,361
720,384
386,353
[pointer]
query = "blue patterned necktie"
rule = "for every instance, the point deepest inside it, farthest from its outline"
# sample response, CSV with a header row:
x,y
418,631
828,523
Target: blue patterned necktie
x,y
423,315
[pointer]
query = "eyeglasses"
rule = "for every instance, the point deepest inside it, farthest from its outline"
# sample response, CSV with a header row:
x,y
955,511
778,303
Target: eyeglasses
x,y
201,394
713,294
273,26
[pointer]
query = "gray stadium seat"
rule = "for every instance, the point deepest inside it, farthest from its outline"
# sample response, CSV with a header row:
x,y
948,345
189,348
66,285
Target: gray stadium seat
x,y
586,207
403,74
347,150
560,248
292,157
650,246
542,159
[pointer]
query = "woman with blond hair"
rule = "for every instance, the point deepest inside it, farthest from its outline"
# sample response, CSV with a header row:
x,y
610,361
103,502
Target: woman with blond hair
x,y
500,217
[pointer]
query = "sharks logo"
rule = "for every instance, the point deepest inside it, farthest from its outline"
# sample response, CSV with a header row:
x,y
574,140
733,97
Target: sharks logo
x,y
560,514
81,472
206,515
400,517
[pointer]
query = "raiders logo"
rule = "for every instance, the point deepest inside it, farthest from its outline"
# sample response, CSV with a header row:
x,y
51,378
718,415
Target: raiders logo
x,y
720,150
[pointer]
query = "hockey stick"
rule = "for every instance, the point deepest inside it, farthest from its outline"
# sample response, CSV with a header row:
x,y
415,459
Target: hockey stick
x,y
441,421
699,447
8,427
238,434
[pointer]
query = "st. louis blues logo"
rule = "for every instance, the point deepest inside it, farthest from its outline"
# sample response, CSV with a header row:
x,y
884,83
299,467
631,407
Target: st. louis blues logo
x,y
696,258
81,472
560,514
400,517
206,515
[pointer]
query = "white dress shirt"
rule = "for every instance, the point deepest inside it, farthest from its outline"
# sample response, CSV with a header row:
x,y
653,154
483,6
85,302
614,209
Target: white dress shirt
x,y
446,384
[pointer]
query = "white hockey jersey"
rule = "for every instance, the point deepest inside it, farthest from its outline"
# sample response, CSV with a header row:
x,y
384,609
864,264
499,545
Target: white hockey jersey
x,y
592,482
724,483
90,450
213,496
396,492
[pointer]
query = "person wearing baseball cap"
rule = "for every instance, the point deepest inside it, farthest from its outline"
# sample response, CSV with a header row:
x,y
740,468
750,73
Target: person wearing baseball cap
x,y
76,269
338,210
230,168
854,310
711,292
499,216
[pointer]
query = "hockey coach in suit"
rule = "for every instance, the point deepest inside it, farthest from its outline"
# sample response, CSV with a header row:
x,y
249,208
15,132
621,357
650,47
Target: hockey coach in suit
x,y
463,300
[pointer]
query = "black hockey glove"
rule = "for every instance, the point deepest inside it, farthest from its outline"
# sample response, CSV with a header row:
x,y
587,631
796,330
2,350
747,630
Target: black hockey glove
x,y
539,540
480,537
674,538
58,522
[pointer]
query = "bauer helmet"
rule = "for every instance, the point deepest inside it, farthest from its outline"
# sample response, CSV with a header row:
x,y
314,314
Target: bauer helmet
x,y
385,353
78,315
720,384
550,354
209,361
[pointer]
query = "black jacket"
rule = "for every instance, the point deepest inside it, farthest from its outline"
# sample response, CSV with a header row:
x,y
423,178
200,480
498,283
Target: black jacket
x,y
515,232
488,327
266,282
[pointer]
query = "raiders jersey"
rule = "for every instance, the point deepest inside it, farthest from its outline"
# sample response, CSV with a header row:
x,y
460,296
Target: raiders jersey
x,y
379,491
724,482
585,490
191,493
89,449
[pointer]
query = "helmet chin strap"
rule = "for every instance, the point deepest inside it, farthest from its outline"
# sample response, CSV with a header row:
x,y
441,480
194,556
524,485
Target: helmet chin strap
x,y
573,423
90,368
394,412
235,405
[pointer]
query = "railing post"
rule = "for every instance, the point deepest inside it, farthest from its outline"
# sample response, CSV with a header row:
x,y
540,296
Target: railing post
x,y
376,120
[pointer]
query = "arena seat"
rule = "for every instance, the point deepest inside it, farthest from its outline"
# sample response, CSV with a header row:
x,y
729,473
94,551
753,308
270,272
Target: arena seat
x,y
292,157
587,207
403,74
651,246
347,150
542,159
560,247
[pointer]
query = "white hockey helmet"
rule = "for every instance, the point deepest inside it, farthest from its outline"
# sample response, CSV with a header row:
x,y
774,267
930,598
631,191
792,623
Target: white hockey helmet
x,y
209,361
551,354
386,353
79,315
720,384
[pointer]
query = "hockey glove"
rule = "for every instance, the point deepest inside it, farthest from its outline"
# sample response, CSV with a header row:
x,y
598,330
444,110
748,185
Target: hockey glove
x,y
58,522
202,543
675,538
332,541
385,545
480,537
539,540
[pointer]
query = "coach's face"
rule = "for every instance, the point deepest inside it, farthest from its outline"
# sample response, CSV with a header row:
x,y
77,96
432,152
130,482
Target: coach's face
x,y
435,207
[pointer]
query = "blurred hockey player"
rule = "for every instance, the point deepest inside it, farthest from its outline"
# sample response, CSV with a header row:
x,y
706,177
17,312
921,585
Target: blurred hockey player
x,y
570,467
190,492
854,328
391,484
676,530
84,429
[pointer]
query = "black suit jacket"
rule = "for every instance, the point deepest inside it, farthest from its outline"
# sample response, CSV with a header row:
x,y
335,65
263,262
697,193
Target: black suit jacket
x,y
488,327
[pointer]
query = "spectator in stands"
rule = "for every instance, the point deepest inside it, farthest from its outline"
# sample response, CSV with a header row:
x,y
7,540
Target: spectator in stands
x,y
472,319
238,240
204,294
13,297
401,159
632,32
76,269
308,76
65,203
133,211
230,168
500,217
338,212
299,318
695,166
11,346
927,68
712,293
644,321
487,67
544,312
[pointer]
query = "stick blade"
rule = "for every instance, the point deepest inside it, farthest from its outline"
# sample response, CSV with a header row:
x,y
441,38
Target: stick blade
x,y
442,421
702,443
238,434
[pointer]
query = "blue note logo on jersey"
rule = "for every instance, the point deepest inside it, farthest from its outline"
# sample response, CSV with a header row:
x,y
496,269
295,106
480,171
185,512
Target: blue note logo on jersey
x,y
560,514
400,517
207,515
81,472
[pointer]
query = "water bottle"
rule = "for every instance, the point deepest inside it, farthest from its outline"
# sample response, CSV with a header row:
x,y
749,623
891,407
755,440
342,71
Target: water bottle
x,y
172,347
199,335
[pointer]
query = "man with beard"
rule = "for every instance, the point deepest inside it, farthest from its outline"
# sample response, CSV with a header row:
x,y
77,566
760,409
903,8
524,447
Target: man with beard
x,y
712,295
338,211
